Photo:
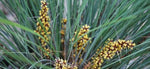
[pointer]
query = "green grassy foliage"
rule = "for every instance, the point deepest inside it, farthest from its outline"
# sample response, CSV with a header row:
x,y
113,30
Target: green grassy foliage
x,y
116,19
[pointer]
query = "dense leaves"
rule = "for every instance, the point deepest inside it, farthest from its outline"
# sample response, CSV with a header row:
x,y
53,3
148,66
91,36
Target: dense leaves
x,y
115,19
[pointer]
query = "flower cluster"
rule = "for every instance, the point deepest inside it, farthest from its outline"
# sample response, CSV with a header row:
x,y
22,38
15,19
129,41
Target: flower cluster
x,y
107,52
97,62
63,30
84,38
47,51
62,64
110,49
43,26
82,42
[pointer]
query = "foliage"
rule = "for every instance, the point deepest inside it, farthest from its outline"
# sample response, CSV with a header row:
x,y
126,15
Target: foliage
x,y
115,19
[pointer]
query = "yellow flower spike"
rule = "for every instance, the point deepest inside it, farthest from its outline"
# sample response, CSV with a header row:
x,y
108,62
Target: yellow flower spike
x,y
62,64
63,29
97,62
82,42
111,48
43,28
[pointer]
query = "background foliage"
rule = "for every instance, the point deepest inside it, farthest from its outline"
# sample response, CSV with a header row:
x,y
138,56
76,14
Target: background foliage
x,y
116,19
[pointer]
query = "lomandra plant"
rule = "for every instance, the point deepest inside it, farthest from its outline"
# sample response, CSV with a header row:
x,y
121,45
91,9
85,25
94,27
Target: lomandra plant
x,y
75,34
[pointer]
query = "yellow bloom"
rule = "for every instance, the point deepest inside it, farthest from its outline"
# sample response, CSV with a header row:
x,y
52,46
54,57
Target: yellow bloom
x,y
62,64
84,39
110,49
63,29
97,62
82,42
43,26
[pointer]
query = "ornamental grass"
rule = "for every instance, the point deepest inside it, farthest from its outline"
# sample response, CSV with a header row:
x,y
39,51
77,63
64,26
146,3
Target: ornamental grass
x,y
75,34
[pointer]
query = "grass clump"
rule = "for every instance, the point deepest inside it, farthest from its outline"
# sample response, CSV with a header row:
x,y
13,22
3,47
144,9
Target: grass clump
x,y
72,34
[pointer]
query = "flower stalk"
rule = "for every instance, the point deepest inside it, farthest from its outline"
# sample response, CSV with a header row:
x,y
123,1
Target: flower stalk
x,y
110,49
43,27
